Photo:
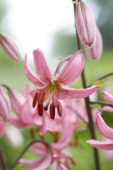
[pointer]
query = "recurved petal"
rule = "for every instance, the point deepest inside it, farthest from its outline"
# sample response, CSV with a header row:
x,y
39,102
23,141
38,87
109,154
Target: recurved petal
x,y
30,75
72,69
41,164
17,123
108,108
65,138
41,67
105,145
103,128
69,93
107,96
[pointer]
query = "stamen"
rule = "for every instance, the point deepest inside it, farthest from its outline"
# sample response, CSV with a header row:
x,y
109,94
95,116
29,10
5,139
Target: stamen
x,y
59,108
42,96
40,109
35,99
52,111
32,133
55,136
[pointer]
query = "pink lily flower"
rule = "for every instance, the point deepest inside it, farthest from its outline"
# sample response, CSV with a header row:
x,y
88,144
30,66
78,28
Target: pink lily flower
x,y
22,106
109,98
10,47
49,157
105,131
95,51
4,107
54,87
85,24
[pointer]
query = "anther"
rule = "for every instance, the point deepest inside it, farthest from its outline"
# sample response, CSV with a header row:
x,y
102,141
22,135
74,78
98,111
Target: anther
x,y
35,99
40,109
52,111
59,108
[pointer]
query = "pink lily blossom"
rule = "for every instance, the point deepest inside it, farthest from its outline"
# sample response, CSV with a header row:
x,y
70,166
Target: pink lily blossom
x,y
105,131
109,98
54,87
49,157
85,24
22,106
95,51
4,107
10,47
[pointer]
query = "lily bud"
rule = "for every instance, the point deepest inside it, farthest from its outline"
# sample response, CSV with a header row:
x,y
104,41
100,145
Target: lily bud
x,y
95,51
10,47
4,107
85,24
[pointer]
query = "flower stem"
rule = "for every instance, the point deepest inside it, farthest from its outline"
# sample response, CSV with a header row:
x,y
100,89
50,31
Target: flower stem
x,y
88,108
101,78
2,160
26,148
101,103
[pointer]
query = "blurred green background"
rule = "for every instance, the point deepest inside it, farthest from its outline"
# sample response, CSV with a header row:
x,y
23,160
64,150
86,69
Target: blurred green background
x,y
64,44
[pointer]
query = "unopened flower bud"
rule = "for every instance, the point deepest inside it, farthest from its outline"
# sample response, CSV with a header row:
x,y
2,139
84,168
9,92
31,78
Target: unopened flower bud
x,y
85,24
10,47
95,51
4,107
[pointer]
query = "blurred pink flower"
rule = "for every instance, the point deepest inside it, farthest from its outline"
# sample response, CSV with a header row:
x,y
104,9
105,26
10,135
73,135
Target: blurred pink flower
x,y
104,131
85,24
55,87
10,47
22,106
4,107
49,156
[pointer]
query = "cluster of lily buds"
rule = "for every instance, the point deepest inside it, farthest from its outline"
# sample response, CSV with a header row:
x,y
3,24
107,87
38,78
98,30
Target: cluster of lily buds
x,y
87,31
10,48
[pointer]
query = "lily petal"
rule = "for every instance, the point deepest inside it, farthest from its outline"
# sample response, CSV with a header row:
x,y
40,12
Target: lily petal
x,y
107,96
105,145
30,75
17,100
69,93
4,107
65,138
41,164
72,69
41,67
108,108
103,128
17,123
